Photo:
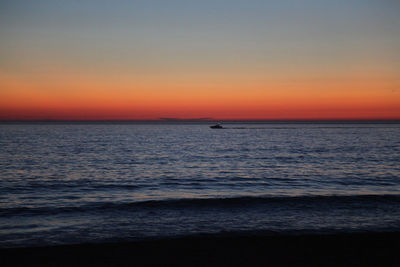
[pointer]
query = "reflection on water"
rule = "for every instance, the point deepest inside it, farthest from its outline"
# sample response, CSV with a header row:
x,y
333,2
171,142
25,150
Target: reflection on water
x,y
54,177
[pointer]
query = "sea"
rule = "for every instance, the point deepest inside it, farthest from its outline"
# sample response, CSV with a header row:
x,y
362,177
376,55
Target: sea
x,y
73,183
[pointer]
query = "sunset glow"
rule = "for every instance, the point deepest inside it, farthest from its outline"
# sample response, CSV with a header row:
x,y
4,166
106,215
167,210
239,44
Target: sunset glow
x,y
221,61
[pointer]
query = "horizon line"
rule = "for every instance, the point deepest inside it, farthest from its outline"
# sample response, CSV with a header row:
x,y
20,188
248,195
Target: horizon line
x,y
209,120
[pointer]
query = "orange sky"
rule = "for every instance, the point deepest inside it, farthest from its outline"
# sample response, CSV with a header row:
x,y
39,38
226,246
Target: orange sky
x,y
105,98
242,60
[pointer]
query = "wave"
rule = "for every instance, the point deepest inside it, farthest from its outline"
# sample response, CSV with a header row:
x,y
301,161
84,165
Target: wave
x,y
215,203
62,186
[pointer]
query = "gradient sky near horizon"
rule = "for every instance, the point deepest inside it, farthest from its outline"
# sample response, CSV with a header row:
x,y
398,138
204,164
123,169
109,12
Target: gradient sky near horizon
x,y
223,59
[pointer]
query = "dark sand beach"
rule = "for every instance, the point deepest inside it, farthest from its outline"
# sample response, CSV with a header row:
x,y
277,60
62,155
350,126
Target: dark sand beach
x,y
355,249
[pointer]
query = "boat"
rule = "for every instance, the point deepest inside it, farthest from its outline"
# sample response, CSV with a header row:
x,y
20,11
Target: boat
x,y
216,126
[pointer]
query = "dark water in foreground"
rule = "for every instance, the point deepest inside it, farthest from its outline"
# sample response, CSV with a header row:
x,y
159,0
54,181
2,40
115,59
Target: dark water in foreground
x,y
74,183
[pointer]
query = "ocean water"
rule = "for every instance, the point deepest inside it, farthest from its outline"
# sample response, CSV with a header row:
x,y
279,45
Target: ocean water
x,y
67,183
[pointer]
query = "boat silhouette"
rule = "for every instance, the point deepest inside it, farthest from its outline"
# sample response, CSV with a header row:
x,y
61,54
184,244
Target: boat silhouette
x,y
216,126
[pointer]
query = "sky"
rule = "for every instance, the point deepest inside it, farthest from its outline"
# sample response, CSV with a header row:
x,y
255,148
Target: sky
x,y
220,59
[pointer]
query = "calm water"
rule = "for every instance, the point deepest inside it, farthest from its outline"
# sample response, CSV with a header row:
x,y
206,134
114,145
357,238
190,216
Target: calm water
x,y
73,183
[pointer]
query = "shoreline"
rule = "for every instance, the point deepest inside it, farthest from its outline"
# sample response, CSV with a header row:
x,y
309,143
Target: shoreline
x,y
347,249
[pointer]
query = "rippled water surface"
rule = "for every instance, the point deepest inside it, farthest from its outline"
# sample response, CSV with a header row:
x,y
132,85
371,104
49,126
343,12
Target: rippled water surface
x,y
71,183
